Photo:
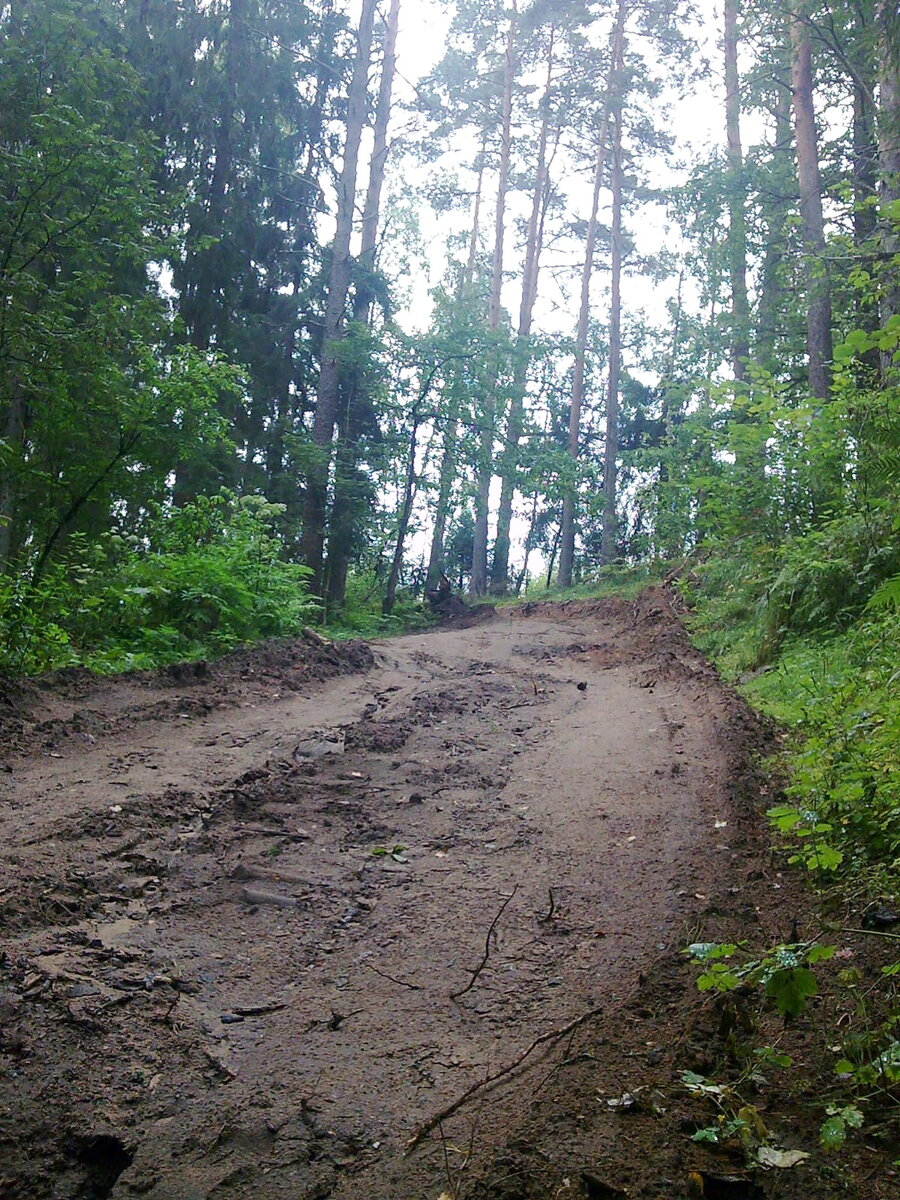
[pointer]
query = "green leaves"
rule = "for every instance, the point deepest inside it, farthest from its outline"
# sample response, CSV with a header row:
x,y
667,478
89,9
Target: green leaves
x,y
202,578
790,988
859,342
833,1131
783,972
709,951
887,596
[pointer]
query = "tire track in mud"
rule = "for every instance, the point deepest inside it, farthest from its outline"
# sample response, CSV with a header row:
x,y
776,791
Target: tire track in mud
x,y
240,983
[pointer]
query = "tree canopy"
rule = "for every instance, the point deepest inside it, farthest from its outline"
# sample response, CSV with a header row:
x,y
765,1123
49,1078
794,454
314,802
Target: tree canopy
x,y
494,317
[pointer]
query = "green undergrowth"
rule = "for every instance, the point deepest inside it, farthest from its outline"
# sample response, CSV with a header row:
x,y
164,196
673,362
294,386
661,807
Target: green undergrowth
x,y
361,616
196,582
623,580
828,672
814,642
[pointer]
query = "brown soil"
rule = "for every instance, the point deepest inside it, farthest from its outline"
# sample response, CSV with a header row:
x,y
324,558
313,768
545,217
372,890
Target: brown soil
x,y
265,920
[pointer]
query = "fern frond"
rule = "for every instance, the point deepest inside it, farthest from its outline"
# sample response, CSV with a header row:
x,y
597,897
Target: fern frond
x,y
886,596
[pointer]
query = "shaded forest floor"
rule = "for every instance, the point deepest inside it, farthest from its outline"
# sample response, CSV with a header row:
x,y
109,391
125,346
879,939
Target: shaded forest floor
x,y
264,921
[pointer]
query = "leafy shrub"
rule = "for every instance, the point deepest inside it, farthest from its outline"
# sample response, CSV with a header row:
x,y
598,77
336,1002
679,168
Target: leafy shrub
x,y
844,787
198,580
827,576
361,615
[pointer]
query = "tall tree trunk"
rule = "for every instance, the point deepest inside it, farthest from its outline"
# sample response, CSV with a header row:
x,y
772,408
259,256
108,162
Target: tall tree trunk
x,y
889,162
327,391
818,299
206,316
446,479
450,455
771,293
737,218
344,510
516,419
611,449
552,559
13,435
666,532
567,526
485,468
409,493
372,211
325,71
529,546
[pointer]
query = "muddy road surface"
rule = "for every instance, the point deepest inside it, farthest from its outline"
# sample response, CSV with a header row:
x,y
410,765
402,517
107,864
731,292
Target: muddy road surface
x,y
271,926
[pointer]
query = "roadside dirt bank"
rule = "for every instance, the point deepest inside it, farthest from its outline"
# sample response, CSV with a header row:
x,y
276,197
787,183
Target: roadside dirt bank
x,y
264,921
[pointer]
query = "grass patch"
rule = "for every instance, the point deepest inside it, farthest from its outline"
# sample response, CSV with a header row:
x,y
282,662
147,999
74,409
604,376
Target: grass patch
x,y
624,580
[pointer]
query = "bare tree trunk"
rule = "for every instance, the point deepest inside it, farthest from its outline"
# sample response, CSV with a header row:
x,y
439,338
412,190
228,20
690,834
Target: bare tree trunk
x,y
372,210
737,219
13,434
818,300
611,450
409,494
529,546
889,162
552,559
446,478
485,468
530,272
450,456
325,71
666,545
770,290
567,527
338,286
343,513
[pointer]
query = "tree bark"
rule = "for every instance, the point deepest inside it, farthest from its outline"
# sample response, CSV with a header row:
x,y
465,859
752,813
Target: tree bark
x,y
485,468
818,299
516,419
372,210
608,551
450,455
409,493
889,166
343,516
771,293
567,526
327,391
522,577
737,218
13,435
553,549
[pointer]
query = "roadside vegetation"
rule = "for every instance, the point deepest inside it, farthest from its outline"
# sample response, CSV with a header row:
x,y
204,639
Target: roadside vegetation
x,y
813,641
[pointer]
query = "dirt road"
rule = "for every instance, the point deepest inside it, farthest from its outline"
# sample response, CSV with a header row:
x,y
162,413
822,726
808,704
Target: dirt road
x,y
264,921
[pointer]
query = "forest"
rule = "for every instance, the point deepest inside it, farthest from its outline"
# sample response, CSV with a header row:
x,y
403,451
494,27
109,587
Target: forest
x,y
219,219
220,416
309,307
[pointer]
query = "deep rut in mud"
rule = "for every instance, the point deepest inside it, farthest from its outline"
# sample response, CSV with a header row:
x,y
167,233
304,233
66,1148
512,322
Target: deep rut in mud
x,y
259,932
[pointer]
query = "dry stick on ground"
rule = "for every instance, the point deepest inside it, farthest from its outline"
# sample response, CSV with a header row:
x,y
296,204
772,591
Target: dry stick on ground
x,y
413,987
456,1183
286,834
487,948
432,1123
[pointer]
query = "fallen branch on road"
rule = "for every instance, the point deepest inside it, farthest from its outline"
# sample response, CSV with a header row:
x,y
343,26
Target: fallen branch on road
x,y
487,948
432,1123
413,987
